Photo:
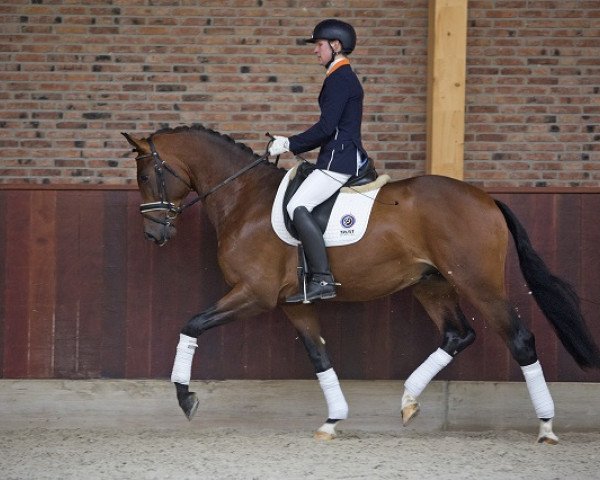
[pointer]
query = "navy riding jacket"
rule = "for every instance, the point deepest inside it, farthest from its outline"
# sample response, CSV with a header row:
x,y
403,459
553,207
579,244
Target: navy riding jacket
x,y
338,130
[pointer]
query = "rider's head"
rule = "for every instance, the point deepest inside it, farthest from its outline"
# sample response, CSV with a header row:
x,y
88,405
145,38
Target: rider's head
x,y
332,37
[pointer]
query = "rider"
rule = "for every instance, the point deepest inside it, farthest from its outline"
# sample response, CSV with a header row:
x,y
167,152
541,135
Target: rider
x,y
341,154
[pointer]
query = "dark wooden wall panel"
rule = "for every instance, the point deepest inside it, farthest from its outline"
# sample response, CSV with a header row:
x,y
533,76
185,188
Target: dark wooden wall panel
x,y
17,284
90,313
68,273
3,278
589,277
84,295
544,219
42,284
138,310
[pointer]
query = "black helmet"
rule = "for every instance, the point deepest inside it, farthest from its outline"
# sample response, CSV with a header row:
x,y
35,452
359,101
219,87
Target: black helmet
x,y
332,29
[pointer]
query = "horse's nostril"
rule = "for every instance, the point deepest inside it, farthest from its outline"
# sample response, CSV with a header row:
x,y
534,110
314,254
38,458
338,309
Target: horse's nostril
x,y
150,236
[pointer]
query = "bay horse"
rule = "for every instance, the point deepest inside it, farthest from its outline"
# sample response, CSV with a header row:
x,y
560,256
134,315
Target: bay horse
x,y
445,238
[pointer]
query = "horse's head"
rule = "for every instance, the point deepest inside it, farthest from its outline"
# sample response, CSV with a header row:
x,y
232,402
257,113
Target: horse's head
x,y
163,182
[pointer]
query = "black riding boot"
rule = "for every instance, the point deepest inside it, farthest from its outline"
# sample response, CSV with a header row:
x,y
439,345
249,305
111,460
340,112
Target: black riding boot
x,y
321,284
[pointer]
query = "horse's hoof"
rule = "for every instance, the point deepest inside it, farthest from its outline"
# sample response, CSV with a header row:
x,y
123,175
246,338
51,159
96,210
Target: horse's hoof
x,y
319,435
189,404
409,412
326,431
546,434
548,440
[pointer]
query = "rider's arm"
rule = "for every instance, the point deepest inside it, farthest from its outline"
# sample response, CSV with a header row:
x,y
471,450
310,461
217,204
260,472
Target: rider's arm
x,y
332,100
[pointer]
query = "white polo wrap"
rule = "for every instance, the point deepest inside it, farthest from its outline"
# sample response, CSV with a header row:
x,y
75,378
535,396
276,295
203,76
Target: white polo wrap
x,y
538,390
182,368
420,378
336,403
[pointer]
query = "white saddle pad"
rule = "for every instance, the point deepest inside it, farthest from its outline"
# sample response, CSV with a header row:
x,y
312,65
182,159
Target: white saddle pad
x,y
349,217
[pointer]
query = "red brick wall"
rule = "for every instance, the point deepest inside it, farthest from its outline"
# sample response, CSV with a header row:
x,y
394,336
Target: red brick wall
x,y
74,76
533,93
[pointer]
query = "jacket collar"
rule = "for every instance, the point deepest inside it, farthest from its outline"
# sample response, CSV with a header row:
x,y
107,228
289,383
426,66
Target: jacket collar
x,y
340,62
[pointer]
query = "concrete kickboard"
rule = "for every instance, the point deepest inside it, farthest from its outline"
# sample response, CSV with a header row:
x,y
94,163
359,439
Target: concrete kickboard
x,y
374,405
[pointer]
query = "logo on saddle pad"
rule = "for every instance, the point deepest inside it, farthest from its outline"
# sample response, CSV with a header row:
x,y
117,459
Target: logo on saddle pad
x,y
349,217
348,221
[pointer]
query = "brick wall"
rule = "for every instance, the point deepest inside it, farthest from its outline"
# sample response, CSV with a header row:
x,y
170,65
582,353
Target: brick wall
x,y
75,75
533,93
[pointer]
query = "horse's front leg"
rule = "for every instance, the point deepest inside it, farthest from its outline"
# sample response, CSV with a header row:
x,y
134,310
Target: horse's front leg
x,y
236,303
304,319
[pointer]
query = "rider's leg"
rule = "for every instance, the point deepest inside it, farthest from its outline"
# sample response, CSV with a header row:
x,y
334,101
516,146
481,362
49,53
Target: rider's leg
x,y
321,284
317,188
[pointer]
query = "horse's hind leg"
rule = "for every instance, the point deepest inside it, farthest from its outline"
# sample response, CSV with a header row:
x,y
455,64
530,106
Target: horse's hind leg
x,y
440,300
304,319
521,343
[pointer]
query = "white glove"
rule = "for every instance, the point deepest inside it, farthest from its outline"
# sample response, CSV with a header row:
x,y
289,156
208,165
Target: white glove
x,y
280,145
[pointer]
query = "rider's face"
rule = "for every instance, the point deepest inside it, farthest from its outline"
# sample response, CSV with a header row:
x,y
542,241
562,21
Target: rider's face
x,y
323,51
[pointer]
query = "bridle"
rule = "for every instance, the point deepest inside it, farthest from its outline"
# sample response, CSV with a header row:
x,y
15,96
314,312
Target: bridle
x,y
164,204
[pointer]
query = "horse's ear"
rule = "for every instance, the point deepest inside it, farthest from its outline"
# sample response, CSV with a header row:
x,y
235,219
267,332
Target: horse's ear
x,y
134,142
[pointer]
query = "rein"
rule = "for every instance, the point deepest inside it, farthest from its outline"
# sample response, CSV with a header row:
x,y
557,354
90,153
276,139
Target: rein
x,y
164,204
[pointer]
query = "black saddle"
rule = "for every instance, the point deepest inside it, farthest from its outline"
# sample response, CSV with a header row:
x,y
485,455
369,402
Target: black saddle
x,y
322,212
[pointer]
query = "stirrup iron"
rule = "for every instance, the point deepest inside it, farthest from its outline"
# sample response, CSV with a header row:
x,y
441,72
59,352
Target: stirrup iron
x,y
321,287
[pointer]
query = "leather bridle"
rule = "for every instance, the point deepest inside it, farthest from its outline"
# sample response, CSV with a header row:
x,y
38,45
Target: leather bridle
x,y
164,204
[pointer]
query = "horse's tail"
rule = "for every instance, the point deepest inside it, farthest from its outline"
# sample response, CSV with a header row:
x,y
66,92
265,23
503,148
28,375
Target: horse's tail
x,y
556,298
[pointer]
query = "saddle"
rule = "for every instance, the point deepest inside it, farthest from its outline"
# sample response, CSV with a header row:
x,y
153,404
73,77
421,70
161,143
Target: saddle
x,y
322,212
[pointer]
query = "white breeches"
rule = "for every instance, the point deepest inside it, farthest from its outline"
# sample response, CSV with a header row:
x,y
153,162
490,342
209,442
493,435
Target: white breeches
x,y
318,187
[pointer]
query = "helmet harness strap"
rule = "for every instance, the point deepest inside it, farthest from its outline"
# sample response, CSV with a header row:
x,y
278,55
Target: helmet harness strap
x,y
333,53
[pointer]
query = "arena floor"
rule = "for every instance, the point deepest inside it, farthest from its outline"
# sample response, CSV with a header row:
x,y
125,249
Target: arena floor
x,y
263,430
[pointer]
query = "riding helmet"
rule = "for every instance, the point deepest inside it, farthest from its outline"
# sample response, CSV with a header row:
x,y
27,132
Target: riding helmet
x,y
333,29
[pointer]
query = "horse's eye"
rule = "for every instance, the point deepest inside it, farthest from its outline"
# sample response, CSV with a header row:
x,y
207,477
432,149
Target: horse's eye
x,y
144,178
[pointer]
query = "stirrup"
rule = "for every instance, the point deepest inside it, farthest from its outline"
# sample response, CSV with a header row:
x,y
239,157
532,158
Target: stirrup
x,y
317,289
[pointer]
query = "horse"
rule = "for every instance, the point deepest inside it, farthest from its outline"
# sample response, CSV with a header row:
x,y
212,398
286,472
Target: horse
x,y
445,238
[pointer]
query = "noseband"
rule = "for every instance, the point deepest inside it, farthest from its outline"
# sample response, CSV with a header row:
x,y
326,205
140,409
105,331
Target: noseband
x,y
164,204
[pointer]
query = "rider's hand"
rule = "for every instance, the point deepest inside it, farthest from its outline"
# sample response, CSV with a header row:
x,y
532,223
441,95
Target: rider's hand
x,y
280,145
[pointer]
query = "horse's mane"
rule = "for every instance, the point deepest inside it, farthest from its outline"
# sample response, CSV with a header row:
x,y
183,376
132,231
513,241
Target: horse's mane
x,y
197,127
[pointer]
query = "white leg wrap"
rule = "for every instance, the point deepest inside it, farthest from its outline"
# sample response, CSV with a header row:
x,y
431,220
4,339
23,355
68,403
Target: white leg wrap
x,y
182,368
538,390
420,378
336,403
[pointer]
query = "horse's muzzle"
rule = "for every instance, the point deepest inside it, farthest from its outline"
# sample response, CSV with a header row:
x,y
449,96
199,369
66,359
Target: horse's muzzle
x,y
159,234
